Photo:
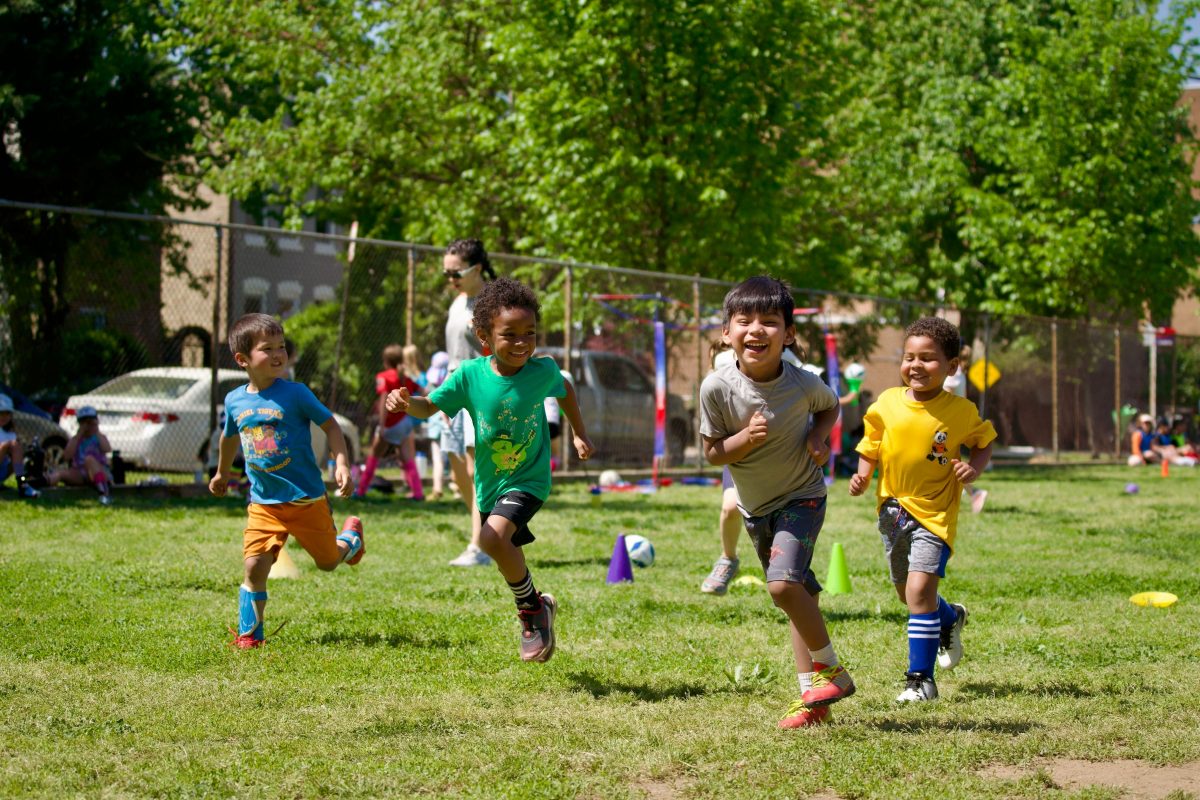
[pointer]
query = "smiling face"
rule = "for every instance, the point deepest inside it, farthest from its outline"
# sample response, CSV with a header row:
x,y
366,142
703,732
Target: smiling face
x,y
266,362
758,339
924,367
512,338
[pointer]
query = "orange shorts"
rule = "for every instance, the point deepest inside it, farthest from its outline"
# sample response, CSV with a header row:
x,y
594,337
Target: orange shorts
x,y
268,526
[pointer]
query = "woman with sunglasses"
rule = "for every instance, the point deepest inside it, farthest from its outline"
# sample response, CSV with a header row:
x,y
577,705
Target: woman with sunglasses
x,y
467,268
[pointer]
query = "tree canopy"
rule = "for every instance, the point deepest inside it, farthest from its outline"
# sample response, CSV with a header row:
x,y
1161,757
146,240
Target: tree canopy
x,y
1026,156
93,113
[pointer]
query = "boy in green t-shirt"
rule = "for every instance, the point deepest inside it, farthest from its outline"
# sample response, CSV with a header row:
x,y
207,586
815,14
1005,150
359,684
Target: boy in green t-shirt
x,y
505,395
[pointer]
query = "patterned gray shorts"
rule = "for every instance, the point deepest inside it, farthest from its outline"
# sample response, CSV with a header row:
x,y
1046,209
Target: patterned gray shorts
x,y
909,547
784,541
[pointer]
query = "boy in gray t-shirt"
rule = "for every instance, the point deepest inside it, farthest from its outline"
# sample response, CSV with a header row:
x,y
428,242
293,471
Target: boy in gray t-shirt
x,y
755,417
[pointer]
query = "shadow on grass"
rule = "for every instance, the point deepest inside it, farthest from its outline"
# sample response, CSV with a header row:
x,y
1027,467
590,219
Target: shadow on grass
x,y
895,616
394,640
947,726
989,689
587,682
569,562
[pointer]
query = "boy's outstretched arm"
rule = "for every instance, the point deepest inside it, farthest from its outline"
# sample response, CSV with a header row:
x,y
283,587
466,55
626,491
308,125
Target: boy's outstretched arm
x,y
570,406
860,480
400,400
227,451
732,449
337,446
967,472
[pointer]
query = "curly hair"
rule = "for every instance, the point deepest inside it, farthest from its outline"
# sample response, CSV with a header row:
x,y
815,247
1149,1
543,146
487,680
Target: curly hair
x,y
761,294
472,252
249,329
500,294
940,331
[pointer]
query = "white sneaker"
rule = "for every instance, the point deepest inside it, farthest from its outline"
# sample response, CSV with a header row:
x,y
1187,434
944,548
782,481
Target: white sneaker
x,y
950,646
977,500
917,689
472,557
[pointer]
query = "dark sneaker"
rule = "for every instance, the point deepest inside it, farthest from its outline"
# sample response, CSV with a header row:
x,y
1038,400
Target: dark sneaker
x,y
829,685
724,571
950,649
24,489
537,630
800,716
352,534
918,688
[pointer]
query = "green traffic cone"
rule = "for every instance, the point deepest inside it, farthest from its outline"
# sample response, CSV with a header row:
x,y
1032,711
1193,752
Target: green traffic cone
x,y
838,581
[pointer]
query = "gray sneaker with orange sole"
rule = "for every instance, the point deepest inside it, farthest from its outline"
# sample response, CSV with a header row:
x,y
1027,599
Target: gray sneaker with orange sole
x,y
537,630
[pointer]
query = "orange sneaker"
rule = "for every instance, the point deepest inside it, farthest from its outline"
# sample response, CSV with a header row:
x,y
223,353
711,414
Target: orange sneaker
x,y
800,716
829,685
352,534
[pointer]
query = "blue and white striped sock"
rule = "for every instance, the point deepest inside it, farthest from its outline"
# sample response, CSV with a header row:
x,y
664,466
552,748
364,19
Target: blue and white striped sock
x,y
946,613
924,631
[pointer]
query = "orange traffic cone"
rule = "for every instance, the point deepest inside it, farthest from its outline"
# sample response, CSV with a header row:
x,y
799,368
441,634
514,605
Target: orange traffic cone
x,y
1166,467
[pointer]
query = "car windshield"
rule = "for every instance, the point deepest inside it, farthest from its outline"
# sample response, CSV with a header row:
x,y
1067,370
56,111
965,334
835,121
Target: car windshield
x,y
152,387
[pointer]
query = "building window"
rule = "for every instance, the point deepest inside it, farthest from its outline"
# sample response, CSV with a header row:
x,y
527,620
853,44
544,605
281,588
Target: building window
x,y
254,295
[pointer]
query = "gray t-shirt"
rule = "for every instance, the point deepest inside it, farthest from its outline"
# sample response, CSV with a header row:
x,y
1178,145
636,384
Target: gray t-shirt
x,y
779,470
461,342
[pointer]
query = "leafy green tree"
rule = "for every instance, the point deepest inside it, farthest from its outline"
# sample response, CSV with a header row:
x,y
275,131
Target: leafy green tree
x,y
1025,156
92,113
661,135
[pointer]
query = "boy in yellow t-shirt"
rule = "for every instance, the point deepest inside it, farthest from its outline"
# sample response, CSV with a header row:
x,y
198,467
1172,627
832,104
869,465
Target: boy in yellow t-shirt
x,y
915,433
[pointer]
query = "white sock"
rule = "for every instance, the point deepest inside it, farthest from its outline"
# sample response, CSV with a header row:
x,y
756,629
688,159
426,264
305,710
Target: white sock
x,y
805,679
825,656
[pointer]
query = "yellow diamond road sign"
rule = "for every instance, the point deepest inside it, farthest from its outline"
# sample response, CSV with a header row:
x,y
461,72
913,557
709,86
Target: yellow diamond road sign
x,y
982,371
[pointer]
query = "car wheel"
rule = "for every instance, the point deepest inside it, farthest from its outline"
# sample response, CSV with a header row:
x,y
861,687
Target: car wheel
x,y
53,449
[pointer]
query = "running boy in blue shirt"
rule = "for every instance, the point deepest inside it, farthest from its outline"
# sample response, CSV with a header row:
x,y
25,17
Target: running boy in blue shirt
x,y
505,394
915,434
270,418
769,421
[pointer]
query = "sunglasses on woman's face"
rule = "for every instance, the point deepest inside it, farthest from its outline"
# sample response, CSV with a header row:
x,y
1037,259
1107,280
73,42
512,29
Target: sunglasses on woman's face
x,y
455,274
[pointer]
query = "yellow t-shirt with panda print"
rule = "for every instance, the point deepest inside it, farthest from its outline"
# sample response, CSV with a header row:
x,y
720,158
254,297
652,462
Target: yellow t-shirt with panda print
x,y
913,443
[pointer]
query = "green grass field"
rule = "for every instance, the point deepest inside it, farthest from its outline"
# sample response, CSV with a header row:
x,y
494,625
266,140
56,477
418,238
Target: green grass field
x,y
400,678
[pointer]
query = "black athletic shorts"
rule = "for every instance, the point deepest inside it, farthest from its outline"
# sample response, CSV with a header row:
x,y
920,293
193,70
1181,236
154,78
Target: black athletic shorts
x,y
518,507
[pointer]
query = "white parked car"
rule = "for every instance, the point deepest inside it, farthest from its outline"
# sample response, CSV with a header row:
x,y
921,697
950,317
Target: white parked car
x,y
159,417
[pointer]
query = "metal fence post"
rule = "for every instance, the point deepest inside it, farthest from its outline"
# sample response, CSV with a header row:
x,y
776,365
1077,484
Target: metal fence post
x,y
564,442
1117,392
337,353
699,372
987,345
216,334
410,298
1054,387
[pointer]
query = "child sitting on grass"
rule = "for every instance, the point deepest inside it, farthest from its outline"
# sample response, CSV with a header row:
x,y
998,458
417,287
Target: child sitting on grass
x,y
915,433
270,418
505,395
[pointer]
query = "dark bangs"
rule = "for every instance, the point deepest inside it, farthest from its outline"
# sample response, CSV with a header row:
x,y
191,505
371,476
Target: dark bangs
x,y
760,295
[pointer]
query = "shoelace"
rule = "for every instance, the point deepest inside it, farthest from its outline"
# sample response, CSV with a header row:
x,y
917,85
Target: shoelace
x,y
722,572
825,676
796,707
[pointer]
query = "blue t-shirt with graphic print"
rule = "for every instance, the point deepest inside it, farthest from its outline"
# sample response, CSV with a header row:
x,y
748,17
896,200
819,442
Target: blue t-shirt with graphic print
x,y
512,440
275,428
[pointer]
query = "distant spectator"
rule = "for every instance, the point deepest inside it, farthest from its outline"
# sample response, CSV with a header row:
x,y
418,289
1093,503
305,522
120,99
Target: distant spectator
x,y
12,455
438,424
87,457
1179,435
1163,443
1141,443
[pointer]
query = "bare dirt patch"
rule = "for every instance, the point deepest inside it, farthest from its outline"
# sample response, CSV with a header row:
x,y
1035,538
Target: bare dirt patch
x,y
1137,779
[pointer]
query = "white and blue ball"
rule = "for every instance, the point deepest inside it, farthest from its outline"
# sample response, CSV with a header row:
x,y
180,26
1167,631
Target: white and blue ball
x,y
855,371
641,551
